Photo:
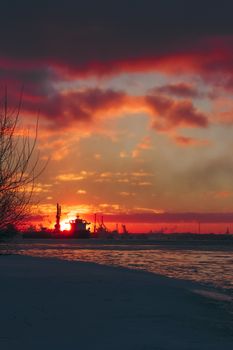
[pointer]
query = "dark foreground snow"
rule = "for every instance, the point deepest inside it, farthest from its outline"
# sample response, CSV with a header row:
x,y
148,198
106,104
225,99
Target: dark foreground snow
x,y
61,305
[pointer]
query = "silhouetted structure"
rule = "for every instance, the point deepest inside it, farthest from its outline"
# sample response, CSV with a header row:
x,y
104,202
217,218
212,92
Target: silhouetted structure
x,y
78,228
124,229
102,230
58,217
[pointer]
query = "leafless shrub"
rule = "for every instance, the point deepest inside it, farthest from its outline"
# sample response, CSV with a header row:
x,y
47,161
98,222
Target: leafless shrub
x,y
19,165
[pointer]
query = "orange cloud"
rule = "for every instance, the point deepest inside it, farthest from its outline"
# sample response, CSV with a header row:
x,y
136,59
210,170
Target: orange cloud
x,y
223,194
81,191
190,141
144,145
70,177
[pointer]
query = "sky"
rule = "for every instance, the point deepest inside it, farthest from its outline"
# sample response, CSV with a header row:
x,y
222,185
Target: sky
x,y
135,105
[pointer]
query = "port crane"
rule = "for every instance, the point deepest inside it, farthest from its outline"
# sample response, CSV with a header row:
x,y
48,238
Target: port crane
x,y
58,218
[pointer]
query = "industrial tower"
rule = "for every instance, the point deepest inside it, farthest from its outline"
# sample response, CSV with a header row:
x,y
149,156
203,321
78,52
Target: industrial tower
x,y
58,217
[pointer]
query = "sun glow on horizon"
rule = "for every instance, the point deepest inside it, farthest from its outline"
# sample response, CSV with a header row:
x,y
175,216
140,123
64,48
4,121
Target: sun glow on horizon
x,y
65,225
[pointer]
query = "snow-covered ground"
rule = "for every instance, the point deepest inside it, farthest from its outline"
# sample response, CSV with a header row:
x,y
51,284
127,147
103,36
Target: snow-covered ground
x,y
61,305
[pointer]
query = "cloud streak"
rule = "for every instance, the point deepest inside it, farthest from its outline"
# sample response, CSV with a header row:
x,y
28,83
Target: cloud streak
x,y
184,217
90,105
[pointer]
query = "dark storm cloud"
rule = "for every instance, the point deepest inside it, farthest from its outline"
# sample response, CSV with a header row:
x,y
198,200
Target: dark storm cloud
x,y
100,36
36,82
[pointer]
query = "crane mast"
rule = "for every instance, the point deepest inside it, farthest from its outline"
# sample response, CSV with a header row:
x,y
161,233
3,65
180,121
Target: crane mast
x,y
58,217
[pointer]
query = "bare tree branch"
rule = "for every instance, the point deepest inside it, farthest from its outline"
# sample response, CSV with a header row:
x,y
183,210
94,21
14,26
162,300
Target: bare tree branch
x,y
19,165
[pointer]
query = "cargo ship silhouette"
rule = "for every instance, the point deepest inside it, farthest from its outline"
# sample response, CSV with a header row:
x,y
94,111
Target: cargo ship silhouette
x,y
79,228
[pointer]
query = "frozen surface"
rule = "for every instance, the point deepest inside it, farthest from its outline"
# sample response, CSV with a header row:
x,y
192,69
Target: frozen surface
x,y
54,304
209,264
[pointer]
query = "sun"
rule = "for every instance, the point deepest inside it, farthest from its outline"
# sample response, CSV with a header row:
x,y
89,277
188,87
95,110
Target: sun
x,y
65,226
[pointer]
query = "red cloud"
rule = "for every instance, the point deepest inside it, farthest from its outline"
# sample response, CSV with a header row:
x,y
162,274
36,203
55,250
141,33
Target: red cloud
x,y
206,55
174,113
85,106
64,109
117,36
67,109
180,90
